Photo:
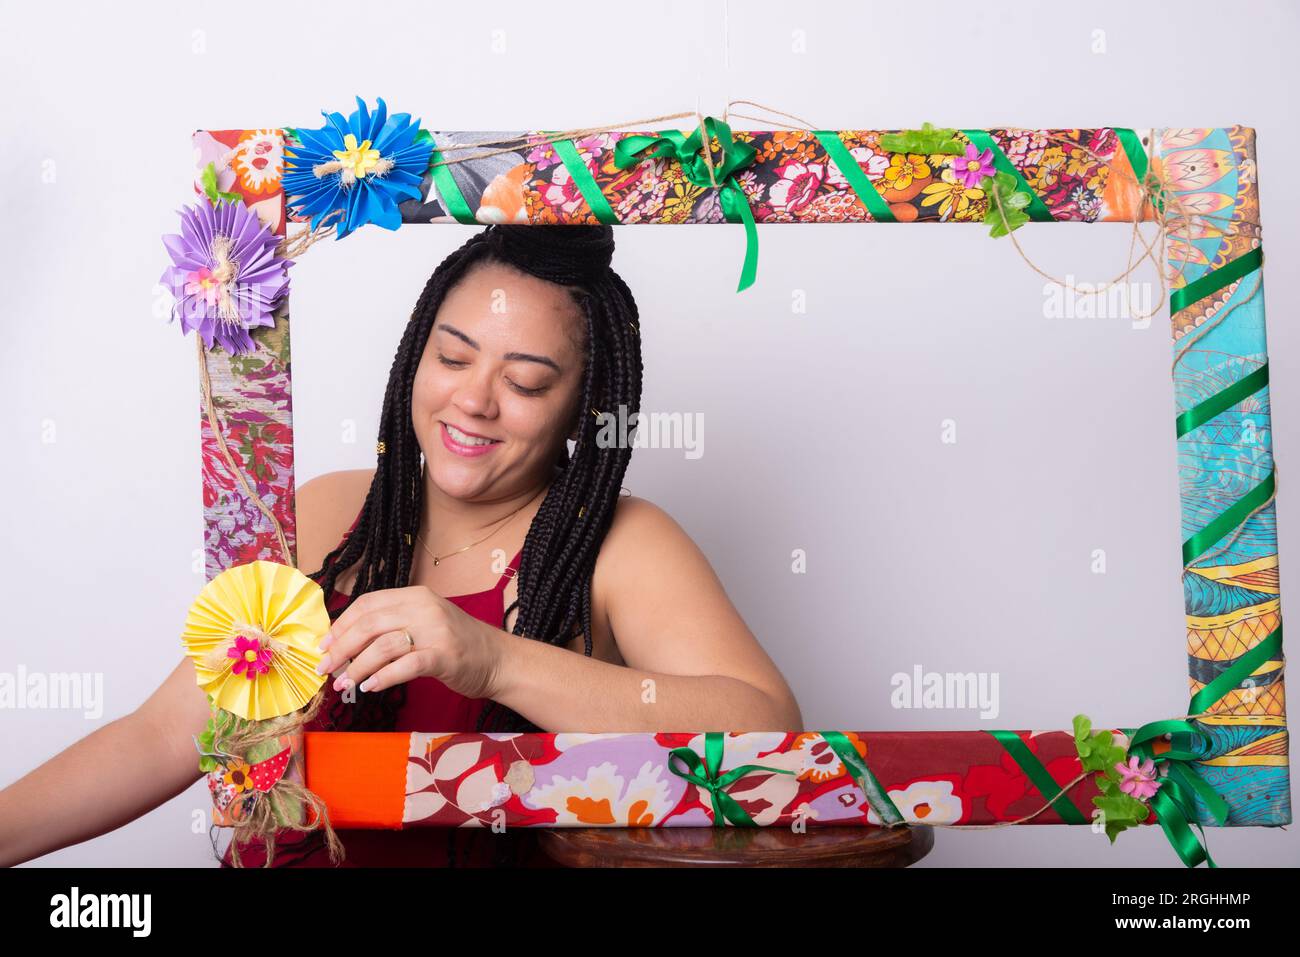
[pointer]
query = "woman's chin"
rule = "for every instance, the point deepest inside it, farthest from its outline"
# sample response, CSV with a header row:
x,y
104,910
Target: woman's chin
x,y
458,480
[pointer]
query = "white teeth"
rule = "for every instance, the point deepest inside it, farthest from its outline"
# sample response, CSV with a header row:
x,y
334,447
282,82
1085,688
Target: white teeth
x,y
464,439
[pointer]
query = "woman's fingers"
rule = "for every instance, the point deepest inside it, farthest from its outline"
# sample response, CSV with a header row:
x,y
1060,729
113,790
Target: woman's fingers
x,y
383,649
360,631
405,668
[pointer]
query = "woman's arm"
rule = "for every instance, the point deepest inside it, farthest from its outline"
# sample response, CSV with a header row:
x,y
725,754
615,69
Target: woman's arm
x,y
58,804
693,665
61,803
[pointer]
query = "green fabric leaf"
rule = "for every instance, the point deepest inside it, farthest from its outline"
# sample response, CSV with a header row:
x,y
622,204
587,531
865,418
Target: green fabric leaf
x,y
209,180
263,750
927,141
1004,223
1010,213
1122,811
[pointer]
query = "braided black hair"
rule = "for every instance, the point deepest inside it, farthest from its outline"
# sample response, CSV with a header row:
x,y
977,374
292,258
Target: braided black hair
x,y
559,555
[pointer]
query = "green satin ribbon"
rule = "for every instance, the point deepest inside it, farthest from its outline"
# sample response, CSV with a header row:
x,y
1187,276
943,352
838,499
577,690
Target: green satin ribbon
x,y
675,145
725,807
1241,668
852,172
1036,209
1228,519
1173,803
1201,542
1221,401
1137,158
448,191
877,796
586,183
1213,281
1039,777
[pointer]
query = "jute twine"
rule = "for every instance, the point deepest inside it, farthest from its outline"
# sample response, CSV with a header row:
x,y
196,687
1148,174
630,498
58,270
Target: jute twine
x,y
218,655
261,821
205,382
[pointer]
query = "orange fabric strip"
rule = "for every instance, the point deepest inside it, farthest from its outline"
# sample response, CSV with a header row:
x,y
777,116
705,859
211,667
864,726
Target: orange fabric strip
x,y
360,775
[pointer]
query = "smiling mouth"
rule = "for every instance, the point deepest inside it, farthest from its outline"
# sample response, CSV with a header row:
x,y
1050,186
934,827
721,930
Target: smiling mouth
x,y
464,438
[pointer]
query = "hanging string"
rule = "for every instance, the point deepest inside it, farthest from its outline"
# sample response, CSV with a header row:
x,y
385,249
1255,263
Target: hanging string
x,y
291,247
219,434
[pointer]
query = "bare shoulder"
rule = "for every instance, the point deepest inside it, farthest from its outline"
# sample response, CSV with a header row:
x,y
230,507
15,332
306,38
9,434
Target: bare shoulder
x,y
326,508
641,537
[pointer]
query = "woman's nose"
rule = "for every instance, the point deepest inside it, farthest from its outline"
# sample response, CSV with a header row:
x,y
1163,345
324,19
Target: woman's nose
x,y
474,397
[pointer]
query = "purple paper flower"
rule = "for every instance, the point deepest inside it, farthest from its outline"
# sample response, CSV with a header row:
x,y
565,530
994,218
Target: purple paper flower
x,y
1139,779
973,167
226,276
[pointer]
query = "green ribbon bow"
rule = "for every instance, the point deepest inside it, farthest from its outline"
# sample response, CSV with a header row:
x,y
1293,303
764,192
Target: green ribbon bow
x,y
1173,804
672,144
725,807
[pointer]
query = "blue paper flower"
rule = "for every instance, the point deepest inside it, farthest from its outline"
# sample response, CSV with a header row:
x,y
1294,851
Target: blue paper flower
x,y
358,169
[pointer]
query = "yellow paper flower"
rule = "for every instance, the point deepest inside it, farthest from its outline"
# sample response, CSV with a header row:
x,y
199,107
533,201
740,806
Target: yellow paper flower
x,y
252,634
361,159
239,777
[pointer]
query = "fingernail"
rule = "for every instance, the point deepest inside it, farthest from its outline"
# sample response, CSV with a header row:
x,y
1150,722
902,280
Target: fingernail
x,y
342,682
365,685
323,665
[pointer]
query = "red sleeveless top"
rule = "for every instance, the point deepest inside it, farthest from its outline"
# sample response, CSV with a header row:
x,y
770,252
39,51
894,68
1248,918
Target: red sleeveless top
x,y
430,706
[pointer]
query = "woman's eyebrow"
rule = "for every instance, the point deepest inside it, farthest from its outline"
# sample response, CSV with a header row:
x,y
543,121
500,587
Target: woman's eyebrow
x,y
509,356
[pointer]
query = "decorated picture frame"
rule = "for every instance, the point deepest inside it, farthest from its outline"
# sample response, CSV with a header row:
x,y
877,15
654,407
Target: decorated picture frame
x,y
1222,760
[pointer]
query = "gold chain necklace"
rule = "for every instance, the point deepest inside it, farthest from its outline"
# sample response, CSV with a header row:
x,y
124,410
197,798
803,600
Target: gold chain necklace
x,y
437,560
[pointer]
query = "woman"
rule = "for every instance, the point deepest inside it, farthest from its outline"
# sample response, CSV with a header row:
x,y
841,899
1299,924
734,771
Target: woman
x,y
608,617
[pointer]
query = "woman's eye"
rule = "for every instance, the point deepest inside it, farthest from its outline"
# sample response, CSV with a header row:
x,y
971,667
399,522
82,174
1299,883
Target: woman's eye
x,y
522,390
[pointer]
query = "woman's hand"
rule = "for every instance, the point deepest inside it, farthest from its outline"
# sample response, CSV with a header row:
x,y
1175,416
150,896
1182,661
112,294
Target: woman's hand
x,y
459,650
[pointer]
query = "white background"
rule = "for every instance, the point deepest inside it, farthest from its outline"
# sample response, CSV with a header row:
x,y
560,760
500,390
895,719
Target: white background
x,y
822,430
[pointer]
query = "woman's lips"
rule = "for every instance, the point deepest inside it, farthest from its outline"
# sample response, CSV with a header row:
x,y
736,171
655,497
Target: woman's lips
x,y
468,451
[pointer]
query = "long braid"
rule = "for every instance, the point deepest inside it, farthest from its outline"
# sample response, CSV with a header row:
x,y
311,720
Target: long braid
x,y
560,550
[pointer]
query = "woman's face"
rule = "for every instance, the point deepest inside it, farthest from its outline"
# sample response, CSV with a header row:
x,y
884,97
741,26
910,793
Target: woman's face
x,y
504,361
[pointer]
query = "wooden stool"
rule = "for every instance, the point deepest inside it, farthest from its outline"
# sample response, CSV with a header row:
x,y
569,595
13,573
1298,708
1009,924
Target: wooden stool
x,y
736,846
